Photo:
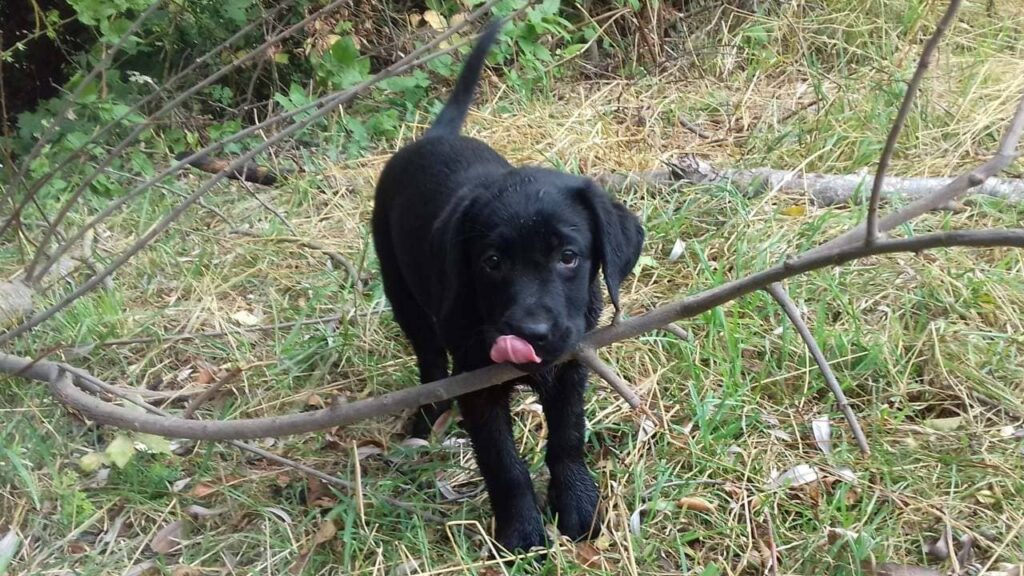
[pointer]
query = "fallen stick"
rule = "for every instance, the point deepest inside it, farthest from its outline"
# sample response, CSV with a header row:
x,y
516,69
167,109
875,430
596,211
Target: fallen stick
x,y
71,395
822,189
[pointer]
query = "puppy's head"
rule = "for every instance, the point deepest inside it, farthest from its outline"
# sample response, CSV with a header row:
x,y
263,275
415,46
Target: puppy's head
x,y
521,256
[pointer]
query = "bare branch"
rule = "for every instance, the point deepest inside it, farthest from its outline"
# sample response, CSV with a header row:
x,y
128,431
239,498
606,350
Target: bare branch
x,y
789,307
590,358
411,398
954,190
128,140
72,157
901,118
323,103
167,220
63,115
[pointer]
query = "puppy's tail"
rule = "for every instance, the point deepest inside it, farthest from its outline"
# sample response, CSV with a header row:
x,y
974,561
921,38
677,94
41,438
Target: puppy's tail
x,y
449,121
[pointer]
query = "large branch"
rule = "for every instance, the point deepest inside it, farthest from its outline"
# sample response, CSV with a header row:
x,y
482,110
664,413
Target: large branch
x,y
822,189
71,395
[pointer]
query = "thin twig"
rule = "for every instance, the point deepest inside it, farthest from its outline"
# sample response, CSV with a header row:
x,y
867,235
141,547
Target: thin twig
x,y
71,158
170,106
174,214
871,234
789,307
950,192
335,257
219,333
201,399
693,128
59,118
326,102
411,398
590,358
127,141
678,331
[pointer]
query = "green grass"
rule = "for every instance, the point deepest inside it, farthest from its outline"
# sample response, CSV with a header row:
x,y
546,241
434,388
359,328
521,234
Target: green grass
x,y
912,338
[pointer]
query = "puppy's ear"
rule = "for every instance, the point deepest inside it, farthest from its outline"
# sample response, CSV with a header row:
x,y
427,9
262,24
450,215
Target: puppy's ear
x,y
446,244
618,234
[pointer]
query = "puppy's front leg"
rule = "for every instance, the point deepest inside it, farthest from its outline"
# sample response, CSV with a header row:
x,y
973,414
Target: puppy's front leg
x,y
572,493
517,519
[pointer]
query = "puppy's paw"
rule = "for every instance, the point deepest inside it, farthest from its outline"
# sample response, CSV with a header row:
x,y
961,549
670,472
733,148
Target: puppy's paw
x,y
522,534
574,499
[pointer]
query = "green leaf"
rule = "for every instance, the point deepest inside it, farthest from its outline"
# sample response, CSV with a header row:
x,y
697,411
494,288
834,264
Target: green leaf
x,y
346,66
153,443
93,461
121,450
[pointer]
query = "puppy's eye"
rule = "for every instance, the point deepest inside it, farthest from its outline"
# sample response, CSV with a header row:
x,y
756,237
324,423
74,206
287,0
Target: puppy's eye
x,y
492,262
569,259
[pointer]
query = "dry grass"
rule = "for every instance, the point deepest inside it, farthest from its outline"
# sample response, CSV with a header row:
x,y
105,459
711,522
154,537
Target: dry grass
x,y
914,338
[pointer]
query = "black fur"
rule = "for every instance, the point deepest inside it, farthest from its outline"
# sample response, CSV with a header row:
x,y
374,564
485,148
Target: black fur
x,y
471,248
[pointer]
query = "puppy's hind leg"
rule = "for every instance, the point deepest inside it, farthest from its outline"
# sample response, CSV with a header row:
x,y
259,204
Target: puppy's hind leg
x,y
416,323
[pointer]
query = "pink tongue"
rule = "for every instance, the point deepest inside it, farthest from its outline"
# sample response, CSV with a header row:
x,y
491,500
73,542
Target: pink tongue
x,y
513,349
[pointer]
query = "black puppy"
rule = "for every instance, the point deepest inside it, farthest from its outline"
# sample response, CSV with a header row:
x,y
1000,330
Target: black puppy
x,y
490,263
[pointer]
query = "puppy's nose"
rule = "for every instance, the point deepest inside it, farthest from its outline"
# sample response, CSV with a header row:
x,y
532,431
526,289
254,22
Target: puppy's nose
x,y
536,332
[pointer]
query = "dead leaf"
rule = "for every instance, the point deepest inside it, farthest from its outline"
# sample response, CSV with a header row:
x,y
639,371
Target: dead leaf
x,y
76,548
147,568
326,532
696,504
587,555
434,20
9,545
205,376
315,401
414,443
938,549
891,569
202,490
368,448
279,513
406,569
196,511
796,476
316,492
677,250
451,494
183,570
987,497
169,538
179,485
944,424
647,428
245,318
822,430
442,422
636,519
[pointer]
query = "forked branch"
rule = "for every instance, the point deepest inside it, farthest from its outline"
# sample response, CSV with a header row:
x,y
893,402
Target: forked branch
x,y
901,117
69,392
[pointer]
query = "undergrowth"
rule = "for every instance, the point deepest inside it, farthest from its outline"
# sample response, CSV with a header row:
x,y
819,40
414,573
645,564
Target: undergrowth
x,y
928,347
